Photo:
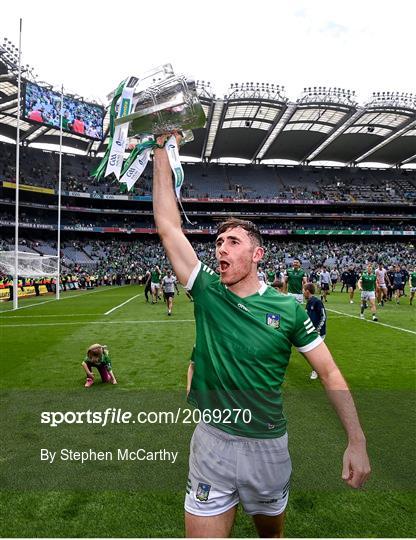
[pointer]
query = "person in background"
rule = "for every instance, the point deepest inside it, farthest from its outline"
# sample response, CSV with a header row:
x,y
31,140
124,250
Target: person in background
x,y
334,278
367,286
325,282
168,286
317,314
381,284
412,284
295,280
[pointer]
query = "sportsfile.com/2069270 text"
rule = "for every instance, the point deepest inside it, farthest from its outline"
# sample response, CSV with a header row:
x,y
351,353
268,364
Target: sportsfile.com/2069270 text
x,y
114,416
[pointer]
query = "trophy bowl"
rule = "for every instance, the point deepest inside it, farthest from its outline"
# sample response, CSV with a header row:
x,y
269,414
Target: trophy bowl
x,y
163,104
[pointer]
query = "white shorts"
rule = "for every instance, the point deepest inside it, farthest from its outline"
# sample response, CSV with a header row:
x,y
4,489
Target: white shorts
x,y
383,286
368,295
154,286
413,289
298,297
226,469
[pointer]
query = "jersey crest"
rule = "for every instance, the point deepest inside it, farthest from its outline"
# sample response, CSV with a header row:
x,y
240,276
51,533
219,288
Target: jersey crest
x,y
273,319
202,492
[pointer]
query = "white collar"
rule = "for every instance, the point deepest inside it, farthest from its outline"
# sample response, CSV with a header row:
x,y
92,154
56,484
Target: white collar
x,y
263,288
261,291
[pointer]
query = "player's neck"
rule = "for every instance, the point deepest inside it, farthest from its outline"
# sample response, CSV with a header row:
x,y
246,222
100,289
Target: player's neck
x,y
247,286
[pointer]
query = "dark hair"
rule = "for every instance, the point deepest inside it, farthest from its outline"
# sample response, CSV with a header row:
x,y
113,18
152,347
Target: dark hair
x,y
251,228
310,287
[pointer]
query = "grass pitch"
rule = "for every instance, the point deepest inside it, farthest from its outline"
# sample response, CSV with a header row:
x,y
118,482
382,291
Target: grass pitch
x,y
43,344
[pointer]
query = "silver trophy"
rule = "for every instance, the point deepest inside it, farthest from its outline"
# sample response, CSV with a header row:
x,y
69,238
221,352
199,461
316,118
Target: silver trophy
x,y
163,102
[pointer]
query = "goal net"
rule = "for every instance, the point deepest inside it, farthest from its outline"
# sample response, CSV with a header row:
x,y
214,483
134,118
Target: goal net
x,y
29,264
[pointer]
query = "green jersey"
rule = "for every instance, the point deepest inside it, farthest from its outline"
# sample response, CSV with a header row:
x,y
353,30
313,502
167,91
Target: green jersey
x,y
368,282
271,276
413,279
242,349
155,276
295,280
104,361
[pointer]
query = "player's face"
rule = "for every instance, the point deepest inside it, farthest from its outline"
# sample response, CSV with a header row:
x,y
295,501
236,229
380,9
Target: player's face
x,y
237,255
369,269
296,265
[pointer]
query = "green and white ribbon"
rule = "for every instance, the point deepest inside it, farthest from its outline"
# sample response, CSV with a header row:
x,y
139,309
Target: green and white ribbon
x,y
136,163
99,171
118,145
175,164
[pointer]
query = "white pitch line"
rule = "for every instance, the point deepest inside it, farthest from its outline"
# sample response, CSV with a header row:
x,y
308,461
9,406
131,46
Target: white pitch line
x,y
370,321
97,322
123,304
65,298
54,316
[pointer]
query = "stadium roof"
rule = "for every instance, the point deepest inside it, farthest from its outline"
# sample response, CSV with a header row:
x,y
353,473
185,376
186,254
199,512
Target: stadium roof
x,y
256,122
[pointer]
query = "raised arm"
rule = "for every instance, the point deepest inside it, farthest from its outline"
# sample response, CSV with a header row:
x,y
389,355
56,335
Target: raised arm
x,y
168,221
356,465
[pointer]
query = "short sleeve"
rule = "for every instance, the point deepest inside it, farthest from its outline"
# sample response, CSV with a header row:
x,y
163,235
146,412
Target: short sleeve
x,y
201,277
304,335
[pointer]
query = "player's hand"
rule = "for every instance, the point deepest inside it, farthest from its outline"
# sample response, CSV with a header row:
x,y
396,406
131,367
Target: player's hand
x,y
161,139
356,465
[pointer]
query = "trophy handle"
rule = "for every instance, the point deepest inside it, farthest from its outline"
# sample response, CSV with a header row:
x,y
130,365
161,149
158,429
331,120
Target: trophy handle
x,y
157,74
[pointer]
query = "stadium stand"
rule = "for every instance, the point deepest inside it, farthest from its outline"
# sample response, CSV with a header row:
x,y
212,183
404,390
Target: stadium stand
x,y
136,256
40,168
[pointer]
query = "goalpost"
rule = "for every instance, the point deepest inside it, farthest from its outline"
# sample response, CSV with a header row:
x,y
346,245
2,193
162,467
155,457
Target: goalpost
x,y
18,263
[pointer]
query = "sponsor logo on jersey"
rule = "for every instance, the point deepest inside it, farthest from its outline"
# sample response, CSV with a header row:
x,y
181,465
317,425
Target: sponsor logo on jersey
x,y
243,307
273,319
202,492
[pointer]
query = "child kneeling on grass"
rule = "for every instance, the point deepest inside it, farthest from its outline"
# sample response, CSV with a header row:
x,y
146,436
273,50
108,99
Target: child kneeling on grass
x,y
97,356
